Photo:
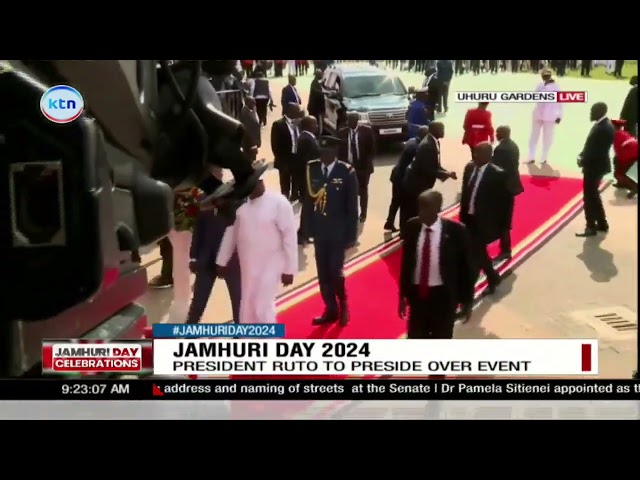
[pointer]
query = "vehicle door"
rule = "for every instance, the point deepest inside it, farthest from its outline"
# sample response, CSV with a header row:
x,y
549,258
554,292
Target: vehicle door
x,y
332,100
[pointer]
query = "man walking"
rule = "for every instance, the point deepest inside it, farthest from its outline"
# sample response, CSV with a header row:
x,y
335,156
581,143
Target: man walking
x,y
290,94
445,74
595,163
358,148
316,104
261,92
252,138
506,155
436,273
284,141
545,118
330,215
264,235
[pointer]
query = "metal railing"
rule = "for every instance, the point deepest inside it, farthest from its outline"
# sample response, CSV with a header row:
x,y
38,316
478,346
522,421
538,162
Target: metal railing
x,y
232,102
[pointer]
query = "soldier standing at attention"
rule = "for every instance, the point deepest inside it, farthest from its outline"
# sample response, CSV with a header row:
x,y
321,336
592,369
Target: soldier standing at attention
x,y
330,212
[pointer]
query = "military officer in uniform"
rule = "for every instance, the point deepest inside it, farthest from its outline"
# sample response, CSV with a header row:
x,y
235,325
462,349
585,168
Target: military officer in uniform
x,y
330,212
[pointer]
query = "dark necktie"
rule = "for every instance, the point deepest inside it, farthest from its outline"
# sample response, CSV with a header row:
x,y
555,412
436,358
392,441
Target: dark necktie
x,y
354,146
425,264
472,180
325,172
295,138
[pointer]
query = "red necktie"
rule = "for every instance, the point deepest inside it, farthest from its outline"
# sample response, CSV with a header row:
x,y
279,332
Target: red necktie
x,y
423,286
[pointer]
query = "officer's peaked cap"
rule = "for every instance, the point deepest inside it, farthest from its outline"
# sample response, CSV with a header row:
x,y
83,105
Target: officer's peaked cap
x,y
329,142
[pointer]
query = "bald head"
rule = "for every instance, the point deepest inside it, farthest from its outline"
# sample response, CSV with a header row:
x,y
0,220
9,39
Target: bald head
x,y
482,153
436,129
309,124
429,206
598,111
503,132
423,131
293,110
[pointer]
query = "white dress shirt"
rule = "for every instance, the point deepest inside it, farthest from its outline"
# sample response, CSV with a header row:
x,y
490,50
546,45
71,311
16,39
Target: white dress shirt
x,y
435,277
294,132
353,132
478,171
328,168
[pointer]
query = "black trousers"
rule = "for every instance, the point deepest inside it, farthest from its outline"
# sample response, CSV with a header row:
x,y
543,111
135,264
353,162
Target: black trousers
x,y
493,66
618,69
408,208
593,208
505,240
444,96
475,67
284,175
329,256
585,69
431,317
458,67
396,201
479,255
363,192
514,65
298,186
261,110
203,286
166,252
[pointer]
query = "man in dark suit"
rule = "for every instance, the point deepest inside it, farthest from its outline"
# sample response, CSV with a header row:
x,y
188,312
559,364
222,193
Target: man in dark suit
x,y
330,212
308,150
433,85
205,243
506,155
290,94
316,104
596,163
445,74
483,209
284,139
251,139
436,273
398,173
359,149
423,172
585,68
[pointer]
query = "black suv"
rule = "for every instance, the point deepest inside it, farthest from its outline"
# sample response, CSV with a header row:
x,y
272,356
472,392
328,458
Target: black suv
x,y
378,96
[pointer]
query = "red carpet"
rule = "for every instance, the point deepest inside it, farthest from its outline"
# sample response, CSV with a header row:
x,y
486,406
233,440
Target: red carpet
x,y
546,206
373,291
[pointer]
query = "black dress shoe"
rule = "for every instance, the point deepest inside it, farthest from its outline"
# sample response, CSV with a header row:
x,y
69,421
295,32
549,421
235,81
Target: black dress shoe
x,y
325,318
604,228
389,227
588,232
492,285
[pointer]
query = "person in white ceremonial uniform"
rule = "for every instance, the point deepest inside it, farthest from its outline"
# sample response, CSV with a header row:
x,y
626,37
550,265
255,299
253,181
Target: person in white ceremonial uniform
x,y
291,67
545,118
265,236
610,65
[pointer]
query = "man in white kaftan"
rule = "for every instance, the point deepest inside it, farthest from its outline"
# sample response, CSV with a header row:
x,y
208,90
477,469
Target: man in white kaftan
x,y
545,118
265,236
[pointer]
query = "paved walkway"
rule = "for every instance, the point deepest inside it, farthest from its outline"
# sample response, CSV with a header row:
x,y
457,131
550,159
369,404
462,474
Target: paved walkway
x,y
557,291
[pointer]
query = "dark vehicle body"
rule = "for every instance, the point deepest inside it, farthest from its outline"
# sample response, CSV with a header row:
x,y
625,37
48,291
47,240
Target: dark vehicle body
x,y
379,97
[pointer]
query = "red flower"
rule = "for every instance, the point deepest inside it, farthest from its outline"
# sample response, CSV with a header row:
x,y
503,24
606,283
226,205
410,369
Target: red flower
x,y
195,192
192,211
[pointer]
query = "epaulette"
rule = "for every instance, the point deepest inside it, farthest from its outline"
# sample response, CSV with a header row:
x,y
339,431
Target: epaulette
x,y
346,164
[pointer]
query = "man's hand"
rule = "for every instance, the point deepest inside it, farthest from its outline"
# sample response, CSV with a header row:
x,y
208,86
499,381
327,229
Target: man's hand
x,y
402,309
287,279
221,271
453,175
558,120
193,265
466,314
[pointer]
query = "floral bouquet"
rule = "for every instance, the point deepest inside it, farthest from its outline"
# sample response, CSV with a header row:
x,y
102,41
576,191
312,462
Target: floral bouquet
x,y
187,208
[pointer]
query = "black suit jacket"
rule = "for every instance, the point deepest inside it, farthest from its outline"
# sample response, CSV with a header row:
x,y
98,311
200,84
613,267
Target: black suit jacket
x,y
492,201
507,156
366,146
455,261
308,148
281,144
406,157
251,124
425,168
595,159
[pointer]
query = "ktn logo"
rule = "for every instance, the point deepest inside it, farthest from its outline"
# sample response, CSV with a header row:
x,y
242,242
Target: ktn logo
x,y
62,104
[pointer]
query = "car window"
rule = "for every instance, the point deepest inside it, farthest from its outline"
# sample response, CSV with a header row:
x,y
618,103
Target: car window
x,y
372,86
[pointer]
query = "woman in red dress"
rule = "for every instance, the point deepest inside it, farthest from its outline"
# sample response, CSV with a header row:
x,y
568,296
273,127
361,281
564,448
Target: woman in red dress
x,y
478,126
625,148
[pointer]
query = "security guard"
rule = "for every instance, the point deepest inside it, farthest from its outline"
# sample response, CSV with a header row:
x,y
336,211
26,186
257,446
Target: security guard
x,y
330,213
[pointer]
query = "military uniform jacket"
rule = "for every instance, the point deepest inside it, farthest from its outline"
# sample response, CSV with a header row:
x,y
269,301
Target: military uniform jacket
x,y
330,209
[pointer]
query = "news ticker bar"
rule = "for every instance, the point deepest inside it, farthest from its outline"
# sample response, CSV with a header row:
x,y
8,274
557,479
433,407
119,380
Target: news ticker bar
x,y
282,357
319,390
